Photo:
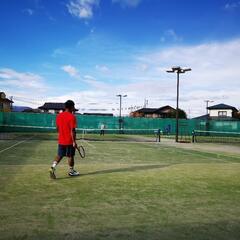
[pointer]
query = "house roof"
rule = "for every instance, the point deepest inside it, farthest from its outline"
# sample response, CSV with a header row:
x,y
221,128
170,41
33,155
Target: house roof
x,y
203,117
146,110
154,110
53,106
164,108
222,106
6,100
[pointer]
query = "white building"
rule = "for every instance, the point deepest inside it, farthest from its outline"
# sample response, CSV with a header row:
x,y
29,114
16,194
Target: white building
x,y
221,111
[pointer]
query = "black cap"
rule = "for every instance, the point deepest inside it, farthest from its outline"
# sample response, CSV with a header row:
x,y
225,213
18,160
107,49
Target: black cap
x,y
69,104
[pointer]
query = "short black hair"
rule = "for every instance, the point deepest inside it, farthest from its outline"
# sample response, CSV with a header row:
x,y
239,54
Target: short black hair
x,y
69,104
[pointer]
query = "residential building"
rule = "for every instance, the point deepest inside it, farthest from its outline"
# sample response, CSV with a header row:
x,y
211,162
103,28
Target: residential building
x,y
222,111
50,107
162,112
5,103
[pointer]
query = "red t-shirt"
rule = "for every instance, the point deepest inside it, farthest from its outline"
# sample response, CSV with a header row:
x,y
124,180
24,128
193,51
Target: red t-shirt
x,y
65,122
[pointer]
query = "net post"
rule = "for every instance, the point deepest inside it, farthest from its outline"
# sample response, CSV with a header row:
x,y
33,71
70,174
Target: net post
x,y
193,137
158,138
83,133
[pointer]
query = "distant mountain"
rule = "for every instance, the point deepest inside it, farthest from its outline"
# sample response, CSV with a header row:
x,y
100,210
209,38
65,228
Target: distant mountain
x,y
19,108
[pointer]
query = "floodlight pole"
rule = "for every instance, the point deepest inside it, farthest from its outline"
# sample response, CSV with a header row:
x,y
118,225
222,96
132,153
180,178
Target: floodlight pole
x,y
178,70
177,109
120,110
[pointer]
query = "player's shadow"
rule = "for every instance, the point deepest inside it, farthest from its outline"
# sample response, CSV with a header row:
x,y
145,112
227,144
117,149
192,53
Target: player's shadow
x,y
121,170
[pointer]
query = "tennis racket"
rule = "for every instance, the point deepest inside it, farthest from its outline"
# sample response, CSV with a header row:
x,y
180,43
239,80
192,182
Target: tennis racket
x,y
81,151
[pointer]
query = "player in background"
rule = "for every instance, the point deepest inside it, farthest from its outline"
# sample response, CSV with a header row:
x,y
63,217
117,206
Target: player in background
x,y
66,125
102,128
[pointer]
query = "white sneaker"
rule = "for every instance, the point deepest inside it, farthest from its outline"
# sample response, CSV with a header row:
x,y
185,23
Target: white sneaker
x,y
52,173
73,173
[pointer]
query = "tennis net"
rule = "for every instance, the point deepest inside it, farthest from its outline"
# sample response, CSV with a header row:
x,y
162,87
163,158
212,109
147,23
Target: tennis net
x,y
19,132
216,136
136,135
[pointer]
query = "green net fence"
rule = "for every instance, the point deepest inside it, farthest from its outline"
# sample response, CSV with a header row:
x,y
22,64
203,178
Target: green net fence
x,y
31,120
27,122
216,136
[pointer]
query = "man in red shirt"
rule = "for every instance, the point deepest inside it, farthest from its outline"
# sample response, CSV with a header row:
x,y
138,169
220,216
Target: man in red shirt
x,y
66,126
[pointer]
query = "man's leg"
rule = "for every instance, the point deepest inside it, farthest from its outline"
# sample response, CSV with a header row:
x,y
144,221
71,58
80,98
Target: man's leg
x,y
53,167
72,172
71,162
61,153
56,161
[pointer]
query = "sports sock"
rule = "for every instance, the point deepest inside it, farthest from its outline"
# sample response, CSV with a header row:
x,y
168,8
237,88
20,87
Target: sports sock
x,y
54,164
70,169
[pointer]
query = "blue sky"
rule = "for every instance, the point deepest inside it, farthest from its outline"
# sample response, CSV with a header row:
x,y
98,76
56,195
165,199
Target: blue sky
x,y
91,50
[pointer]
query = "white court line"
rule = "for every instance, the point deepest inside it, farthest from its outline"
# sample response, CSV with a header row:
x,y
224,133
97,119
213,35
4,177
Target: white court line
x,y
88,143
15,145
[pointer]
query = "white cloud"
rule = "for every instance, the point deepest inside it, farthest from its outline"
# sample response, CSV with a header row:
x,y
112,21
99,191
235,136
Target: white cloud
x,y
27,81
128,3
24,86
72,71
89,77
102,68
143,67
82,9
170,35
215,75
58,52
29,11
232,6
85,100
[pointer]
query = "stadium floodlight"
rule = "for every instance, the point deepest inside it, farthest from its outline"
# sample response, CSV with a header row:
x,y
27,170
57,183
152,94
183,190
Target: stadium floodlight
x,y
120,109
187,69
178,70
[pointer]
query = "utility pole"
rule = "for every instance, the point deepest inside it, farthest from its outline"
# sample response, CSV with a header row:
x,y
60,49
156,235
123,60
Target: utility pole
x,y
145,103
207,101
179,71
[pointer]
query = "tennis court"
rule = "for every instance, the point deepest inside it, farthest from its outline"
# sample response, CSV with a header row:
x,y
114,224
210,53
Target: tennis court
x,y
126,190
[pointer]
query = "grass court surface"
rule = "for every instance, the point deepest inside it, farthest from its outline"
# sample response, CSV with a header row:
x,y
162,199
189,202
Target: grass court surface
x,y
126,190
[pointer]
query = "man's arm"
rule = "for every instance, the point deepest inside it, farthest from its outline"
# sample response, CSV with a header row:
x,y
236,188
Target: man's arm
x,y
73,131
73,135
57,124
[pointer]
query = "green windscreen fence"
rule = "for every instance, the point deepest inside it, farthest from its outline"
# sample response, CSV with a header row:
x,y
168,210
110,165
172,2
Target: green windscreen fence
x,y
17,121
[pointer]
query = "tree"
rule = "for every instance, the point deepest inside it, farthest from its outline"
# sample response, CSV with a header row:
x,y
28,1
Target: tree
x,y
236,115
181,114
